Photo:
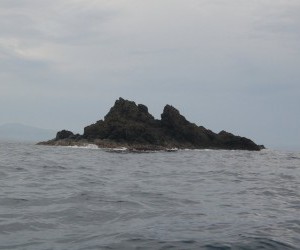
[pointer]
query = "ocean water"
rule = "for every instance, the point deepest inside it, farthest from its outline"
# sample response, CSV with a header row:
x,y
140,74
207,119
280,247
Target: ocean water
x,y
87,198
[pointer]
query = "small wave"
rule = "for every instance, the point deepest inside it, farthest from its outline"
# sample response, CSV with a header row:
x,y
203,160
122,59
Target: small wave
x,y
9,202
21,245
54,167
217,247
19,168
293,158
262,243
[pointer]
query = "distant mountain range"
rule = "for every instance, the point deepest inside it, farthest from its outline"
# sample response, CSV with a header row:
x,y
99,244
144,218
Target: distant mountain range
x,y
21,132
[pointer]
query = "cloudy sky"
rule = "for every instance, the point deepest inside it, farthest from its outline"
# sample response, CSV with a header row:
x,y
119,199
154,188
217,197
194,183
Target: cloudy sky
x,y
225,64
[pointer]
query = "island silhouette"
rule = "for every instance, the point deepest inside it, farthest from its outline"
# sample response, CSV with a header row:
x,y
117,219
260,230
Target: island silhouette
x,y
131,126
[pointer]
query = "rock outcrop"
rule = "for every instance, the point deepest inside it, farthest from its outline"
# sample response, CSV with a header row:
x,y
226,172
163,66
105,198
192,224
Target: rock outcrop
x,y
132,126
64,134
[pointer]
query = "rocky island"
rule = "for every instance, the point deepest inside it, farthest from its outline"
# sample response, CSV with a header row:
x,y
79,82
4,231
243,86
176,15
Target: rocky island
x,y
131,126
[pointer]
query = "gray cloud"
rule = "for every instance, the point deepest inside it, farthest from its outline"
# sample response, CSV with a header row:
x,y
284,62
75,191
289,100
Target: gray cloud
x,y
280,18
227,65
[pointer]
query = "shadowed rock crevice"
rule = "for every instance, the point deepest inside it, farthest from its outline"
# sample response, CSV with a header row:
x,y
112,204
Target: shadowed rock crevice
x,y
131,125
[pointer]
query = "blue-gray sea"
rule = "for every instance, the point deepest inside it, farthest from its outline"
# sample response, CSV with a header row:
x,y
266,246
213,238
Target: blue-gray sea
x,y
86,198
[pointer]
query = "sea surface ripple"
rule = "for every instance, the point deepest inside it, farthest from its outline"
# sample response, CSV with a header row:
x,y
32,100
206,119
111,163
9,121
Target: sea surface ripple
x,y
76,198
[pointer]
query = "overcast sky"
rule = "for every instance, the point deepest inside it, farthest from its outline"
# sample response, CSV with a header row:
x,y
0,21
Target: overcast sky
x,y
225,64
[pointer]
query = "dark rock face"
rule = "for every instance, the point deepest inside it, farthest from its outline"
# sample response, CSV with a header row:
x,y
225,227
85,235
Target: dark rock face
x,y
125,122
236,142
64,134
178,128
131,124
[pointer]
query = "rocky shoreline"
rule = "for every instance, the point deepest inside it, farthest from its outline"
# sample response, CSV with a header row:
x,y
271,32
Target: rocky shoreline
x,y
108,145
130,126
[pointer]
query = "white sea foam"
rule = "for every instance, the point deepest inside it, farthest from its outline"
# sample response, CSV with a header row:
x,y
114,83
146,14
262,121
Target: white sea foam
x,y
120,149
206,150
117,150
171,149
86,146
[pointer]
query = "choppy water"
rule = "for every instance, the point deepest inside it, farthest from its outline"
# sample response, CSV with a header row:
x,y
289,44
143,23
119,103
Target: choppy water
x,y
73,198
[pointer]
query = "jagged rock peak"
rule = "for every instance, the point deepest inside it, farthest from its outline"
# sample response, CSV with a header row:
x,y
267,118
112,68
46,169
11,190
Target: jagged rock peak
x,y
171,116
129,110
169,109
